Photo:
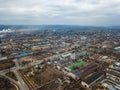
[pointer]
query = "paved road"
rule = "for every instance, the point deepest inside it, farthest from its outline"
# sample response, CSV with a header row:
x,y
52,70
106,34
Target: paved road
x,y
4,71
39,61
21,82
13,81
22,85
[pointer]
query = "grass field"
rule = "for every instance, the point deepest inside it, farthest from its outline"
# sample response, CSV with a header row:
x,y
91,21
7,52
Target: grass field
x,y
81,63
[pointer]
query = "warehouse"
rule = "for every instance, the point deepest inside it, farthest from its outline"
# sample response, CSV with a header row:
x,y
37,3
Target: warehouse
x,y
91,80
113,74
82,69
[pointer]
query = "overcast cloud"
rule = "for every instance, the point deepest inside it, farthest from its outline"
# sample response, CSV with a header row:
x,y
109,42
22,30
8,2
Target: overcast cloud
x,y
80,12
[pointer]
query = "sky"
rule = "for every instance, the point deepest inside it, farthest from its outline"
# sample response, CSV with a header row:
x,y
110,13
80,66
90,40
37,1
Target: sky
x,y
60,12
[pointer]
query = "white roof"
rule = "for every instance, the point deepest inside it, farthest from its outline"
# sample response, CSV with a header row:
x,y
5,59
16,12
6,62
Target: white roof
x,y
117,63
66,55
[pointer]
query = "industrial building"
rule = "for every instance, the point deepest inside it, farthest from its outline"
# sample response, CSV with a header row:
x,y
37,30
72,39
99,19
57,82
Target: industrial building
x,y
89,81
113,74
85,69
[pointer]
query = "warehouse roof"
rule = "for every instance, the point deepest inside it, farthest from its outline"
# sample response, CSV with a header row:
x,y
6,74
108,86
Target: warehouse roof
x,y
66,55
92,78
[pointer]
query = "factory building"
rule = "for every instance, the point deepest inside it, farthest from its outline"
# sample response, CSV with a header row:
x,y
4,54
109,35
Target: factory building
x,y
84,69
66,56
89,81
113,74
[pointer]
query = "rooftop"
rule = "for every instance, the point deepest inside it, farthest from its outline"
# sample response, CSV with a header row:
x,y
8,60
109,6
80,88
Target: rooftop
x,y
92,78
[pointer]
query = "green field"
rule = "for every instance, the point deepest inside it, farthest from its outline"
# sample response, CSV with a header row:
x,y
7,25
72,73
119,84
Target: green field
x,y
81,63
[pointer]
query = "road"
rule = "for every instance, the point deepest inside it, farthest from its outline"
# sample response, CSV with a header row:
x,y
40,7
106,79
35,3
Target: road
x,y
21,84
14,82
39,61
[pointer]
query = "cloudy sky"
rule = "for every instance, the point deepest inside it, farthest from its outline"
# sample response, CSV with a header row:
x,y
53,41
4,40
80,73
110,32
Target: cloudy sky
x,y
68,12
